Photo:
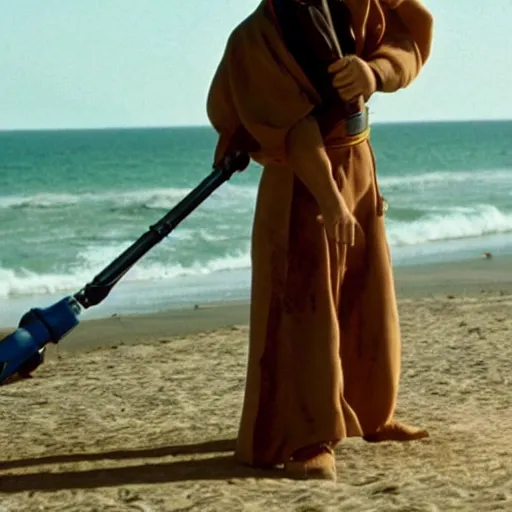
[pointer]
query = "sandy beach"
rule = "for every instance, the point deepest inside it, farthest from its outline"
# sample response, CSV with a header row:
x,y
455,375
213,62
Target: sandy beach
x,y
140,413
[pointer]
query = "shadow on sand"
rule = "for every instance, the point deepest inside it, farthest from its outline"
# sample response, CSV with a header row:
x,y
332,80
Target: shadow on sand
x,y
218,467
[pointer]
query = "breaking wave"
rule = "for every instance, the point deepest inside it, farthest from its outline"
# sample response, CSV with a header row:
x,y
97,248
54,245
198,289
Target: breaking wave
x,y
460,223
23,282
157,199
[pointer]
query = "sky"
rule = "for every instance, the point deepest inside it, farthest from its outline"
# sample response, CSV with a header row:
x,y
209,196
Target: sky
x,y
123,63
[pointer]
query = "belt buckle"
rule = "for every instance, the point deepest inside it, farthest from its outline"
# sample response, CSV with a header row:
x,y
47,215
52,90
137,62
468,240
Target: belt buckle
x,y
357,123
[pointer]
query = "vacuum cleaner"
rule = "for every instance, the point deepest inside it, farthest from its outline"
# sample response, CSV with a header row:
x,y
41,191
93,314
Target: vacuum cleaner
x,y
23,351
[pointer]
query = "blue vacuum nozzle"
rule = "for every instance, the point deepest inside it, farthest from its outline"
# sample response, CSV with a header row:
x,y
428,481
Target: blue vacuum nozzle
x,y
23,351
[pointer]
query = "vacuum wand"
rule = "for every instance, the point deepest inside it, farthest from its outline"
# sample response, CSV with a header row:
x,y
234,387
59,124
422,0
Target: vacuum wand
x,y
23,351
96,291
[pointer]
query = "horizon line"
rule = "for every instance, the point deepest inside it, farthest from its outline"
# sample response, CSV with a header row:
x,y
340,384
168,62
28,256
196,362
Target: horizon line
x,y
193,125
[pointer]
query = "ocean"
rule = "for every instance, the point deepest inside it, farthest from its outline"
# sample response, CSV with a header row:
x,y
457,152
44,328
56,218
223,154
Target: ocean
x,y
71,201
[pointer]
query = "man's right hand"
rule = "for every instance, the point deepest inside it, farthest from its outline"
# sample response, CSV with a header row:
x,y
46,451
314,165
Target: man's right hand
x,y
353,78
339,223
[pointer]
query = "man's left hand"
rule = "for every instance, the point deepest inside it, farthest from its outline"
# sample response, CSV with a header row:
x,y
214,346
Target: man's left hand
x,y
353,78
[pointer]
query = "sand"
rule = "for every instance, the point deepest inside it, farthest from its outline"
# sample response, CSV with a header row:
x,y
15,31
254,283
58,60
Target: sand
x,y
140,413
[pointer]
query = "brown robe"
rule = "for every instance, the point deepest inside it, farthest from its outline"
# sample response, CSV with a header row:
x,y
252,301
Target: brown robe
x,y
324,353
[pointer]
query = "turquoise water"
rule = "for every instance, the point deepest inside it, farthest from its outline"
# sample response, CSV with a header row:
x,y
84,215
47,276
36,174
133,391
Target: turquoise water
x,y
71,201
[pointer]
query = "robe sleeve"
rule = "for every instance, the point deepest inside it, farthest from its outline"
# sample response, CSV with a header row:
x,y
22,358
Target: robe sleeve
x,y
221,111
268,100
405,46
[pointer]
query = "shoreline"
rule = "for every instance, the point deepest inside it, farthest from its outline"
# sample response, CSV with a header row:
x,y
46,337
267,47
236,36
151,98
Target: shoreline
x,y
471,278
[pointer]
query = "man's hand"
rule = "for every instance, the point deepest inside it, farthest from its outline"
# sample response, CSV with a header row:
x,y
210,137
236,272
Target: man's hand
x,y
339,223
353,78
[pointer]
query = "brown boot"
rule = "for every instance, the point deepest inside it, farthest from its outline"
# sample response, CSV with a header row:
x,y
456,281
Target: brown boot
x,y
315,462
395,431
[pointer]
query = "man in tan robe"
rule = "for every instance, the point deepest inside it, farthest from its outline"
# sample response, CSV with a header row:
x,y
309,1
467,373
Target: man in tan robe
x,y
324,353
